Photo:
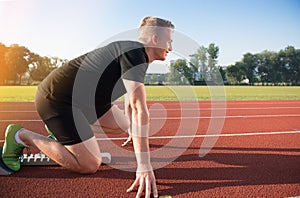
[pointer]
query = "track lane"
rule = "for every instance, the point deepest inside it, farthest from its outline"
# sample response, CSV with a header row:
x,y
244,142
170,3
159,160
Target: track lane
x,y
237,166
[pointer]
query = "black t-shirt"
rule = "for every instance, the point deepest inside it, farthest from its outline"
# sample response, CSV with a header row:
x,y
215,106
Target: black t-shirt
x,y
94,79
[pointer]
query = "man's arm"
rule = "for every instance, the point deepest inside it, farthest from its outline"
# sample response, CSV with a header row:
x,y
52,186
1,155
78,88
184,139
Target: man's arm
x,y
127,109
140,118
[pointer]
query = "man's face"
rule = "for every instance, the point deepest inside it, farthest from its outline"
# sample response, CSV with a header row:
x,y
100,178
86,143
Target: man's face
x,y
164,44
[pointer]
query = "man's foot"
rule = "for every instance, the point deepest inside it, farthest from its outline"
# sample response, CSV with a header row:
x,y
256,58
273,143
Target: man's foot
x,y
51,135
11,149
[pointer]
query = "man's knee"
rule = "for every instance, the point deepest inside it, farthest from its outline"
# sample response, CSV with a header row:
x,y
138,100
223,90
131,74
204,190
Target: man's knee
x,y
90,167
124,124
87,155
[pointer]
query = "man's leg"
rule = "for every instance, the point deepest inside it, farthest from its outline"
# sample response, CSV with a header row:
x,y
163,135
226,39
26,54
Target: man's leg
x,y
83,157
113,121
76,147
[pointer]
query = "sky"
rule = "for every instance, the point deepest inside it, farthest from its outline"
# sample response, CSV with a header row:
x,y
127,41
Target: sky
x,y
69,28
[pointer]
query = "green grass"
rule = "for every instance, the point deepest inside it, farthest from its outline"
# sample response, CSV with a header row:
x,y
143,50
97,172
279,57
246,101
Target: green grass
x,y
27,93
262,93
227,92
17,93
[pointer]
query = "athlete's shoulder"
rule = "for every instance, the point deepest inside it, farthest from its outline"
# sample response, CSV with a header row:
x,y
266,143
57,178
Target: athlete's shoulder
x,y
125,45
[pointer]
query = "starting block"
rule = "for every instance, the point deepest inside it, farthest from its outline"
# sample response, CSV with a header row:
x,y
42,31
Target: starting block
x,y
40,159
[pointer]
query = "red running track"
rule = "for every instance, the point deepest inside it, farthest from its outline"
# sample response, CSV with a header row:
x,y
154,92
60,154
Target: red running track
x,y
255,153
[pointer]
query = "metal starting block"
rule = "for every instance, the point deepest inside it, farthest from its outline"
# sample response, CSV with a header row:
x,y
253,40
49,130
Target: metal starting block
x,y
40,159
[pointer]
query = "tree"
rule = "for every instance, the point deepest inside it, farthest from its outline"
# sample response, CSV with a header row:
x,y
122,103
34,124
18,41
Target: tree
x,y
213,53
17,59
202,66
264,66
249,65
222,72
290,59
201,56
185,70
207,58
194,64
3,66
234,73
269,67
40,67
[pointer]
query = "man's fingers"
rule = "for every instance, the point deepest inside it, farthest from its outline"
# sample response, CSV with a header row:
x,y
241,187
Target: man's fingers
x,y
135,183
141,189
148,188
128,141
154,189
145,182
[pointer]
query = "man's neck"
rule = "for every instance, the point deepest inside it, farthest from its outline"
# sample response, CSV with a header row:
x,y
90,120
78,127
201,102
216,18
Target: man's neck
x,y
150,54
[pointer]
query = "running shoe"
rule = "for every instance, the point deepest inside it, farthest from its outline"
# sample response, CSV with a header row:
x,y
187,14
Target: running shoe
x,y
11,149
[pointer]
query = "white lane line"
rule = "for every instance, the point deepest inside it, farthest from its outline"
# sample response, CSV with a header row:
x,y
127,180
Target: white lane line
x,y
18,111
209,135
235,116
187,109
212,135
232,108
20,121
193,117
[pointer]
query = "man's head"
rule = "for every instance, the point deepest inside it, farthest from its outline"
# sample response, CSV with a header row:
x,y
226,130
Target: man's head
x,y
156,33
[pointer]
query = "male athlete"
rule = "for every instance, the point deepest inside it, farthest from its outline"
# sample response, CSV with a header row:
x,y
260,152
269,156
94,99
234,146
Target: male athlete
x,y
76,95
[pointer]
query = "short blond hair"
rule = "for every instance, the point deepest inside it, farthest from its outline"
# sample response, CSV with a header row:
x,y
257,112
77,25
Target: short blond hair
x,y
155,21
150,25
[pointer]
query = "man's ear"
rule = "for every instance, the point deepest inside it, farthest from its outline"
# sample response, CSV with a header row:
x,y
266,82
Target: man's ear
x,y
154,40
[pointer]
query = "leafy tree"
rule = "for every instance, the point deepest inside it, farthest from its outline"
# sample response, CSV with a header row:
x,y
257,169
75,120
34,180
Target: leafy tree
x,y
3,66
202,66
213,52
174,77
222,71
17,59
207,58
269,67
182,67
290,59
234,73
201,56
249,65
194,64
42,66
264,66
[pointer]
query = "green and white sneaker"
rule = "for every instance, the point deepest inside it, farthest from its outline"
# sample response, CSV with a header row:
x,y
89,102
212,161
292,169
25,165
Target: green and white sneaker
x,y
51,135
11,149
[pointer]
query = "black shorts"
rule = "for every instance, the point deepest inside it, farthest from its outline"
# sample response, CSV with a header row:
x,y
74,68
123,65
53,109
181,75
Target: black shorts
x,y
70,125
